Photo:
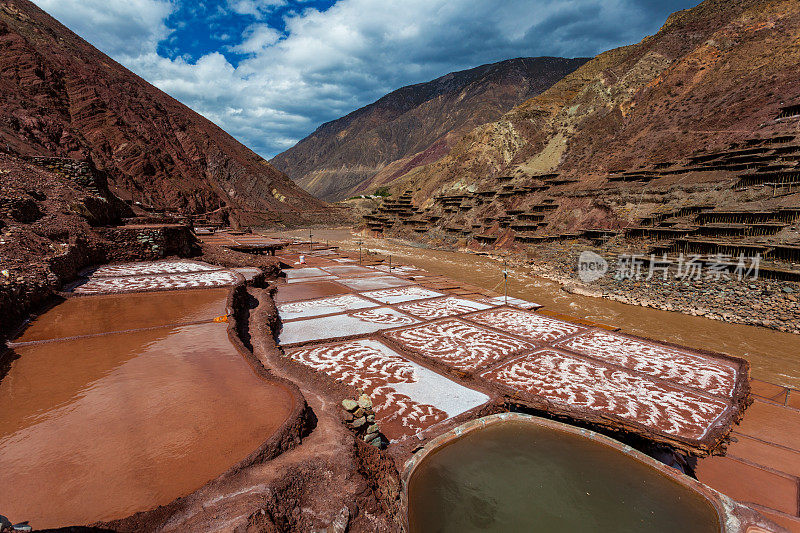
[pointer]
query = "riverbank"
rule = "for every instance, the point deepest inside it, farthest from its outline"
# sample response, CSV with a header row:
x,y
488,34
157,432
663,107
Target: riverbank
x,y
751,300
759,302
767,303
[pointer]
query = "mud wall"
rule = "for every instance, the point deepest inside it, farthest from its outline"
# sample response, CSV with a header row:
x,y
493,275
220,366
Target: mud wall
x,y
29,290
23,292
132,243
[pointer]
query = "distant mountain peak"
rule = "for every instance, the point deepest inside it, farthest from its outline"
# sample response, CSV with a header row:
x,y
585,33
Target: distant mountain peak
x,y
413,125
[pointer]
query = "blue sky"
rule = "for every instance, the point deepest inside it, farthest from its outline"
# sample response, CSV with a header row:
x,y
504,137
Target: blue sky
x,y
271,71
200,28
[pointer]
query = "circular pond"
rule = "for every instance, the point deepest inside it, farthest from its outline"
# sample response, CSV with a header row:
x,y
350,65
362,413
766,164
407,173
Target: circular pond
x,y
522,476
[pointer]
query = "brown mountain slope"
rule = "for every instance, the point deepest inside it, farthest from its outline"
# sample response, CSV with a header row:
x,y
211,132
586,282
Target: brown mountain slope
x,y
413,125
714,75
59,96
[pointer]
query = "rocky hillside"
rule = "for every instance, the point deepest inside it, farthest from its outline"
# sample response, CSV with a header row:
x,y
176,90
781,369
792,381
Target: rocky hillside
x,y
61,97
702,114
413,126
714,74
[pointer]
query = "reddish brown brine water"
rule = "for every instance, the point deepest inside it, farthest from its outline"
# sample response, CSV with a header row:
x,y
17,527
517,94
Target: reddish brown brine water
x,y
517,476
108,313
100,427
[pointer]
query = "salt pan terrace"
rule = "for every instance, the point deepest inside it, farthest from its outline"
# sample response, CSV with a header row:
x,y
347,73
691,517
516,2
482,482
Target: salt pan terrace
x,y
421,350
646,393
131,394
246,242
407,396
153,276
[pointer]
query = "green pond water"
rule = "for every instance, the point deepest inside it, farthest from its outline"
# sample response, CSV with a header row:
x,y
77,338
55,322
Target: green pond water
x,y
518,476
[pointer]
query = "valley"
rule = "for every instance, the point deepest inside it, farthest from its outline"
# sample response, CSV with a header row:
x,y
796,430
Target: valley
x,y
531,276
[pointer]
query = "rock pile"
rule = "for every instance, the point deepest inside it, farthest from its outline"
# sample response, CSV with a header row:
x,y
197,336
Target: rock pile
x,y
7,527
360,417
81,172
769,303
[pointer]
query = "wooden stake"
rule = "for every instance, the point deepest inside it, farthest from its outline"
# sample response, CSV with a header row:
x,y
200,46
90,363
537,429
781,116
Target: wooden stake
x,y
505,280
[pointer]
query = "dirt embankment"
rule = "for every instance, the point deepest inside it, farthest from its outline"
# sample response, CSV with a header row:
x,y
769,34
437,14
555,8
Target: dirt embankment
x,y
754,301
47,221
311,475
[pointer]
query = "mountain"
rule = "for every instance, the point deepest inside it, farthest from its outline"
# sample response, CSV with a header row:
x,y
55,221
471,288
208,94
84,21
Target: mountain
x,y
59,96
704,112
413,126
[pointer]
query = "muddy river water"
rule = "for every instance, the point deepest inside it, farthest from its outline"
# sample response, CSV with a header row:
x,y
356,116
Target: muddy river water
x,y
524,477
113,421
772,354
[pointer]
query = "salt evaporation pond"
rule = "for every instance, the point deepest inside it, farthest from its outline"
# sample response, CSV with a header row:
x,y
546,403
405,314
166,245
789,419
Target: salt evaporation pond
x,y
517,476
772,354
104,425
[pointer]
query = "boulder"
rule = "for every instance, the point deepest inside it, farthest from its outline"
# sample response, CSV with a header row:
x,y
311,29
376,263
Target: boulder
x,y
364,401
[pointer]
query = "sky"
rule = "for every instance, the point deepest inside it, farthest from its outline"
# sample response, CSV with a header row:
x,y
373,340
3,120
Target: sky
x,y
270,72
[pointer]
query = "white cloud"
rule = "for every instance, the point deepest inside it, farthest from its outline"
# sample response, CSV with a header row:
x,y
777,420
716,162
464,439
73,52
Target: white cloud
x,y
330,63
120,28
256,38
256,8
